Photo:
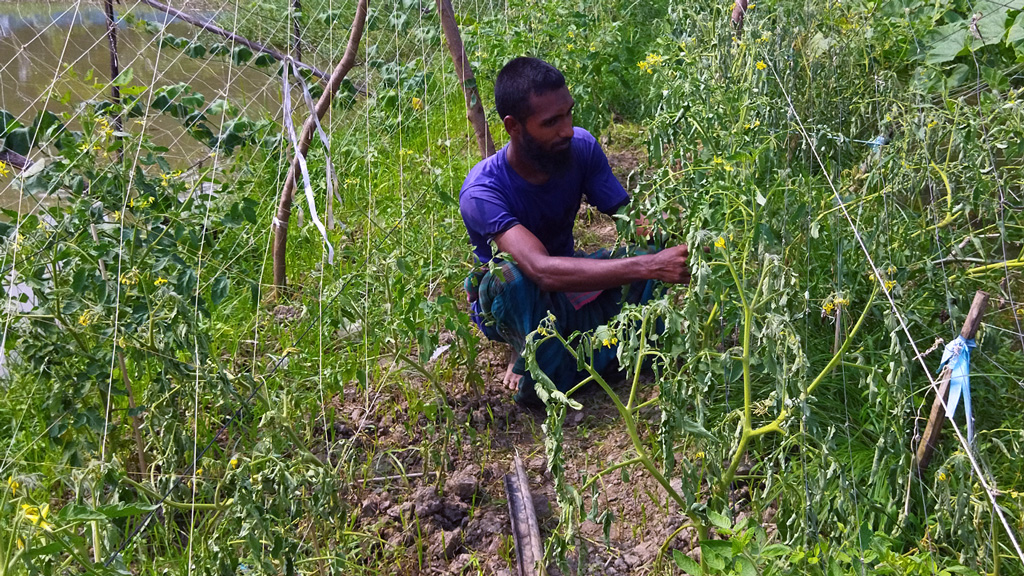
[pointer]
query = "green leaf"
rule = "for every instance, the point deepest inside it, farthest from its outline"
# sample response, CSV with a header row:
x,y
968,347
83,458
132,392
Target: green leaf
x,y
946,42
7,123
774,550
18,141
686,564
264,60
720,521
80,513
714,555
220,289
124,78
196,50
745,567
241,55
1016,32
125,509
402,265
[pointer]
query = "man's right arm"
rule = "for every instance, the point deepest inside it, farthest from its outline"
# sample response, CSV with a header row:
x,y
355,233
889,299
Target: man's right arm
x,y
568,274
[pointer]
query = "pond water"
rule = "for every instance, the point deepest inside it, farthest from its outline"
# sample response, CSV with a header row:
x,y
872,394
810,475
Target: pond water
x,y
49,49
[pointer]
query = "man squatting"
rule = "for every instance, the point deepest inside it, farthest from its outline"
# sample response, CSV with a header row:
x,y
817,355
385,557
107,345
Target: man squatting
x,y
524,199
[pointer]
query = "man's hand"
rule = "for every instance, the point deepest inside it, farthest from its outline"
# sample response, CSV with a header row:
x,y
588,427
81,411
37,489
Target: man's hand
x,y
569,274
671,265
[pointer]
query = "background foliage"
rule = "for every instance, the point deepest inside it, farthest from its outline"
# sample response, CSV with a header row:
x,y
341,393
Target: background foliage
x,y
151,289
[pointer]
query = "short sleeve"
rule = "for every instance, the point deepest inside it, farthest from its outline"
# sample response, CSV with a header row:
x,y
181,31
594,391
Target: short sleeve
x,y
602,188
485,216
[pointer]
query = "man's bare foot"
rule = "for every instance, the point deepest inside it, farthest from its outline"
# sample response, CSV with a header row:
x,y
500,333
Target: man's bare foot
x,y
511,379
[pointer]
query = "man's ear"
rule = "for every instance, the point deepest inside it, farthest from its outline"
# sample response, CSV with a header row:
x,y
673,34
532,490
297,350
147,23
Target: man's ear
x,y
512,126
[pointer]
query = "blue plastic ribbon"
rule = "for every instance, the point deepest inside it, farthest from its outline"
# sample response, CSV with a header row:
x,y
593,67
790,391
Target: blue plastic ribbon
x,y
957,356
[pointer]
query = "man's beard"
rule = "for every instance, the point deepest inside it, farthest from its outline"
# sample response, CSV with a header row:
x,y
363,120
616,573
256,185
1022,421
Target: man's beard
x,y
550,162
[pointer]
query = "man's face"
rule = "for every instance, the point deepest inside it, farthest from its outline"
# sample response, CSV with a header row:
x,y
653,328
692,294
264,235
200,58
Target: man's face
x,y
547,133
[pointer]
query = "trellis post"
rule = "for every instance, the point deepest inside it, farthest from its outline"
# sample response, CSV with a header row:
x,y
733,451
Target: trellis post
x,y
115,67
937,417
284,208
474,109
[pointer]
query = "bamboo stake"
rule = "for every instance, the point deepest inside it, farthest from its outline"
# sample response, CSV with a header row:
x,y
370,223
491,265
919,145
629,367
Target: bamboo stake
x,y
937,418
474,109
284,209
209,27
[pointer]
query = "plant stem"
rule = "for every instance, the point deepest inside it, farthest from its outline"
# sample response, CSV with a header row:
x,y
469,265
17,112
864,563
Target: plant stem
x,y
639,362
214,507
609,470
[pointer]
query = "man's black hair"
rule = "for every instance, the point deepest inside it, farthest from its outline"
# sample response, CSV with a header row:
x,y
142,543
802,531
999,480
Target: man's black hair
x,y
518,80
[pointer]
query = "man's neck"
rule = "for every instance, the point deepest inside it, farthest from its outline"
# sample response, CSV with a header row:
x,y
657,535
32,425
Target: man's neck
x,y
526,169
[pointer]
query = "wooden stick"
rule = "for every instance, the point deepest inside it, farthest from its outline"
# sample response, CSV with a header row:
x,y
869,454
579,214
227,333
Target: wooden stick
x,y
115,67
284,209
937,417
254,46
739,12
474,109
525,530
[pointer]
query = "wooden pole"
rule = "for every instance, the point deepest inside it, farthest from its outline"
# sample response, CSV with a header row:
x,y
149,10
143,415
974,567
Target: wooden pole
x,y
284,209
115,67
739,12
937,417
474,109
296,31
254,46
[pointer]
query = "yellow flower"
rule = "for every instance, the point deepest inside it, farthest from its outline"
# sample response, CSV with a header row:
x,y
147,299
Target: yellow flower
x,y
234,463
1020,311
717,160
889,285
199,472
13,484
614,340
572,34
606,343
83,147
37,515
3,169
933,124
699,455
942,476
542,331
87,317
570,46
593,47
417,104
116,215
728,168
160,282
130,278
720,243
892,269
21,543
651,62
761,65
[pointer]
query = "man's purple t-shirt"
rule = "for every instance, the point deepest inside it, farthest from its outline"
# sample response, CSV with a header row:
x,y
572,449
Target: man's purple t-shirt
x,y
495,198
